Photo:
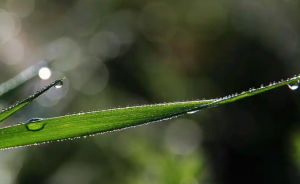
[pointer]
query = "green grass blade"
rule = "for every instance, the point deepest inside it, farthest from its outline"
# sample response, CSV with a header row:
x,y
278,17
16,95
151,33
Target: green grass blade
x,y
5,113
91,123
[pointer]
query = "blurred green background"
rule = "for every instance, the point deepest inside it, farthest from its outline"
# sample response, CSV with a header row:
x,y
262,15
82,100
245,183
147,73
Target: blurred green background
x,y
118,53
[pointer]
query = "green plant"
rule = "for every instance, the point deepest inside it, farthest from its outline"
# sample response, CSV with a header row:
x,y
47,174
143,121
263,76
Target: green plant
x,y
37,130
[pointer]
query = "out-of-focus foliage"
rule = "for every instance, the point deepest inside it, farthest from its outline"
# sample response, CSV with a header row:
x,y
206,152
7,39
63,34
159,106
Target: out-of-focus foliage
x,y
118,53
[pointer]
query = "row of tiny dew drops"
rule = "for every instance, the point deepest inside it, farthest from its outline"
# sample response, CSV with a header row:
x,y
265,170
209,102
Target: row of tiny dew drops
x,y
33,125
292,86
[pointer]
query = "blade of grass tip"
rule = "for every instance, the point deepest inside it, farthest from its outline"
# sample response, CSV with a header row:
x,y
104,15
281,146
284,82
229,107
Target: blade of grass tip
x,y
253,91
22,77
91,123
5,113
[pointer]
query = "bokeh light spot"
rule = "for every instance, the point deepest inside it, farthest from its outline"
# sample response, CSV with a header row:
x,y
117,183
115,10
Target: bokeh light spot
x,y
85,80
22,8
12,52
183,136
44,73
7,26
104,45
66,53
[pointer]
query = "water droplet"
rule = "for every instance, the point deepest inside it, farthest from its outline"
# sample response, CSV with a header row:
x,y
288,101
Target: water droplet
x,y
34,124
59,84
294,85
192,112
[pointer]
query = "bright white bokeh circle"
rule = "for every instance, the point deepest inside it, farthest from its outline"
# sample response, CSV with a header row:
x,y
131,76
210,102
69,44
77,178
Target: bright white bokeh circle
x,y
44,73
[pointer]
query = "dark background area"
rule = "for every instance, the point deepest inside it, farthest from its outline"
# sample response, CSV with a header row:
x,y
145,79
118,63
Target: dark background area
x,y
122,53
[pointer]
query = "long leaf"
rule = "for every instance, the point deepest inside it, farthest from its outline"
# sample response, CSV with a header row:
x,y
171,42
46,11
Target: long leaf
x,y
91,123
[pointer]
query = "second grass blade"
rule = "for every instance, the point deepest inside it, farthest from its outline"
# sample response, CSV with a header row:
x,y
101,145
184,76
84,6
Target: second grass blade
x,y
5,113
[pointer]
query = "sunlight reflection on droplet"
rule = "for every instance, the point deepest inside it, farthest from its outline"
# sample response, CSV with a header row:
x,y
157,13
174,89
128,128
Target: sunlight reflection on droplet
x,y
45,73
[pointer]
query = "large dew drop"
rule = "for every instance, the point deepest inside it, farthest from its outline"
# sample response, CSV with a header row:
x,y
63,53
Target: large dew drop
x,y
34,124
59,84
294,85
